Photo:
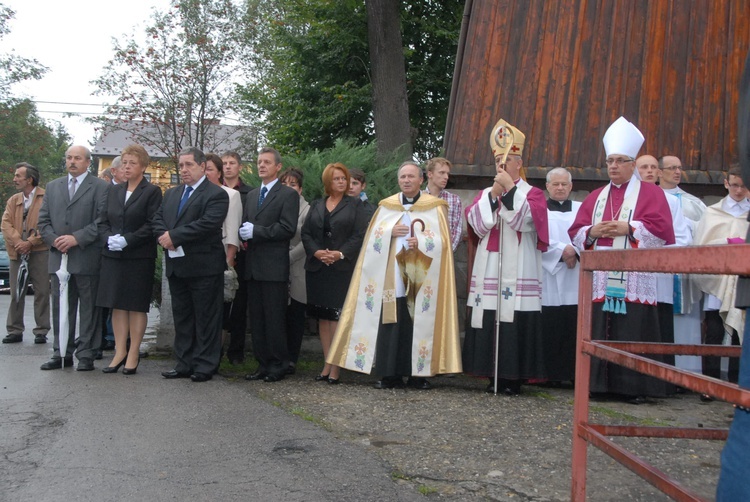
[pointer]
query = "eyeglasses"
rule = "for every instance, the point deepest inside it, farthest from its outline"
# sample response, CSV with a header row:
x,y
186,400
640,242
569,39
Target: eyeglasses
x,y
618,162
670,168
736,186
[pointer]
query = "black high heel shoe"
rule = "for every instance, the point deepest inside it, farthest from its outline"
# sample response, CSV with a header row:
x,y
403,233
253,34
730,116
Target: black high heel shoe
x,y
131,371
113,369
321,378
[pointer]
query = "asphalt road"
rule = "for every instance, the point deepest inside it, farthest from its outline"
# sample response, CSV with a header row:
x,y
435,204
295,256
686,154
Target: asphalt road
x,y
68,435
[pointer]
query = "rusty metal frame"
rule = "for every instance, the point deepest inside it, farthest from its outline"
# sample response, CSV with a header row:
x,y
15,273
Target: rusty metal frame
x,y
728,259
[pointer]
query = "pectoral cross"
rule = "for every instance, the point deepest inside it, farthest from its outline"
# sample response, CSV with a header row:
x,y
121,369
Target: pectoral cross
x,y
507,293
478,300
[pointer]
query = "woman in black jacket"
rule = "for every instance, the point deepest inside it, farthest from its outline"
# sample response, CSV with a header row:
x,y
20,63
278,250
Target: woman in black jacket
x,y
128,257
332,236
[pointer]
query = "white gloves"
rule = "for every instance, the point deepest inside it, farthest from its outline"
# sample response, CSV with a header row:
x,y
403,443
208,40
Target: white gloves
x,y
116,243
246,231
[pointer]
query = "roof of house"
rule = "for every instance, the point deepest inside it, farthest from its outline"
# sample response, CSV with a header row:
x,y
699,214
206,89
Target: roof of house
x,y
119,134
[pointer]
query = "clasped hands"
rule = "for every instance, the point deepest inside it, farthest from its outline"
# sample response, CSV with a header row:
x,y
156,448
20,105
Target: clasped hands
x,y
401,230
609,229
327,256
116,242
569,256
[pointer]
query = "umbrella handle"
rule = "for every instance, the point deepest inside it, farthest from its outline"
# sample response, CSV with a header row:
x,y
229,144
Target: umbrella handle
x,y
414,222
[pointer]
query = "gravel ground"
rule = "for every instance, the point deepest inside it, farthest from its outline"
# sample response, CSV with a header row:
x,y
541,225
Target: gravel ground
x,y
456,442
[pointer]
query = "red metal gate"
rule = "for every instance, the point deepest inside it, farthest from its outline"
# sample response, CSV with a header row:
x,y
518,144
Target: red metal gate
x,y
729,259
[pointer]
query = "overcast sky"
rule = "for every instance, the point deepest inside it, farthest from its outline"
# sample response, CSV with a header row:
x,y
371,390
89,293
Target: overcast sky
x,y
73,39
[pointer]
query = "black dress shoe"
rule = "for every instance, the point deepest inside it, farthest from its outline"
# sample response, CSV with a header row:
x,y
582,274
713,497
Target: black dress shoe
x,y
98,356
334,381
56,363
169,375
200,377
321,378
108,345
258,375
291,370
115,368
40,339
13,339
273,378
85,364
389,383
419,383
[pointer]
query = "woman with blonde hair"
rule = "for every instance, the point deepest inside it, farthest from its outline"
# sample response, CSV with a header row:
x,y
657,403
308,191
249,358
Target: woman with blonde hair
x,y
332,236
128,257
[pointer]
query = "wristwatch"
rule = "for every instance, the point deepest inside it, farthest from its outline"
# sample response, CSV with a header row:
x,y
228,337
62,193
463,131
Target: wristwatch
x,y
341,255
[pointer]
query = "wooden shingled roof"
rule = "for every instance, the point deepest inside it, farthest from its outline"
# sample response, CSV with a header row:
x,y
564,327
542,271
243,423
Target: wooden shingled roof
x,y
563,70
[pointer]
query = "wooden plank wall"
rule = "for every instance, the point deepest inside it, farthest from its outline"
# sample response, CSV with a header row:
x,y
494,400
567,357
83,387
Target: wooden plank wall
x,y
563,70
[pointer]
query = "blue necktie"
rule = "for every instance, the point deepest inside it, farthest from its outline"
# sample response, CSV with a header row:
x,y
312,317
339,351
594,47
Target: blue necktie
x,y
184,199
263,192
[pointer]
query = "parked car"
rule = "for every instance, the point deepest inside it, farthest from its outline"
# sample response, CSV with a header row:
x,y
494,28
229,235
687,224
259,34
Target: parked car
x,y
4,266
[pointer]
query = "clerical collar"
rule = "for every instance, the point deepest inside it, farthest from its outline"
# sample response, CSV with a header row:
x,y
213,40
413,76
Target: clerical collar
x,y
406,200
564,207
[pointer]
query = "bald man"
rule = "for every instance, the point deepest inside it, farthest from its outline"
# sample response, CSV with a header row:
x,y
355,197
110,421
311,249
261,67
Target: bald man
x,y
687,315
648,169
69,222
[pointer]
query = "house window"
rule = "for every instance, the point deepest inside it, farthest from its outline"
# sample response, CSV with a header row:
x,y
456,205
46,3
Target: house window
x,y
174,180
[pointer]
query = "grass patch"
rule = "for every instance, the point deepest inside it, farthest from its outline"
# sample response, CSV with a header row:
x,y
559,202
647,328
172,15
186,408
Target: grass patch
x,y
305,415
540,393
426,490
396,475
618,415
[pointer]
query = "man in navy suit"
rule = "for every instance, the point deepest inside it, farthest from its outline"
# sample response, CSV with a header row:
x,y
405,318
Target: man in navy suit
x,y
69,222
270,220
188,227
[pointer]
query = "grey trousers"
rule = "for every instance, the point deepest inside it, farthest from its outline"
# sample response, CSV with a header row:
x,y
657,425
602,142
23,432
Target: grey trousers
x,y
39,277
81,292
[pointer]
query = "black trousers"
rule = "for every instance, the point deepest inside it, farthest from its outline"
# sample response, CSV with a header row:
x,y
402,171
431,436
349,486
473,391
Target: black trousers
x,y
235,315
295,328
197,311
268,302
715,336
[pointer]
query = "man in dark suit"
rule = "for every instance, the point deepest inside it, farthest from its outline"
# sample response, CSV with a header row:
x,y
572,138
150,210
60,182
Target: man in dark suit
x,y
69,223
235,312
270,220
188,227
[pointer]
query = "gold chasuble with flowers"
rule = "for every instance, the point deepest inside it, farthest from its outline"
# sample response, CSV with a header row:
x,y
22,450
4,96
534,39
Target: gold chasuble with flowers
x,y
427,280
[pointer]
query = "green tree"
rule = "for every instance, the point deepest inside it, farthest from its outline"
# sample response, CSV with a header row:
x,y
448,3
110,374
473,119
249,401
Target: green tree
x,y
313,74
310,63
25,137
15,68
170,91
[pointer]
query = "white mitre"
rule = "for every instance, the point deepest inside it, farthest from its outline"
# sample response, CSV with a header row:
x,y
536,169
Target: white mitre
x,y
623,138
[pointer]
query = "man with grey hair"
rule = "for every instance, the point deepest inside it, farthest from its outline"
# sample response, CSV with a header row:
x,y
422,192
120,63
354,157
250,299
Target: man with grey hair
x,y
115,169
69,222
19,226
560,280
405,268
